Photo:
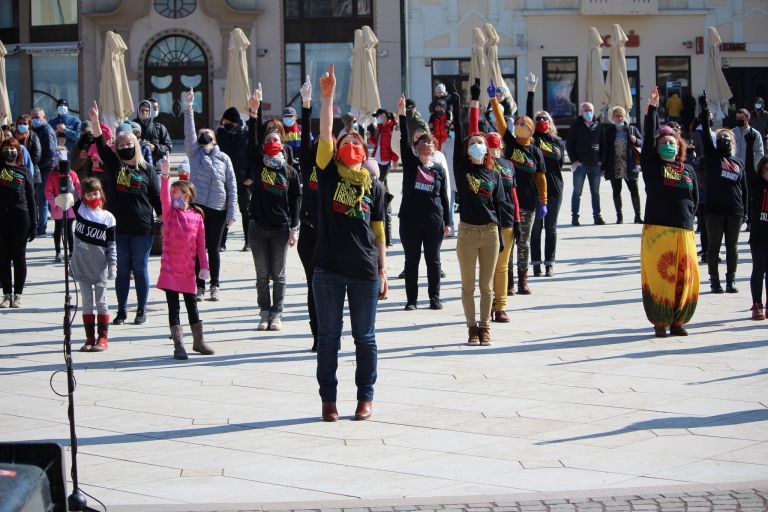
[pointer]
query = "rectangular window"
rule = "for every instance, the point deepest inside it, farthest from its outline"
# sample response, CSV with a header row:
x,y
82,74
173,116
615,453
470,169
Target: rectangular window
x,y
327,8
673,74
13,82
9,14
54,12
633,75
561,87
55,77
313,59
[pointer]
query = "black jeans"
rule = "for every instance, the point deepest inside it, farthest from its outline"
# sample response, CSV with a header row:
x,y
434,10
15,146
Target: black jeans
x,y
414,234
214,222
57,232
717,225
269,247
306,249
174,308
759,270
701,222
633,193
13,250
549,224
243,200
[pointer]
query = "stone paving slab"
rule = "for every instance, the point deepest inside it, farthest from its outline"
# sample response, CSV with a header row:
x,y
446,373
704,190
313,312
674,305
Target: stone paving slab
x,y
574,396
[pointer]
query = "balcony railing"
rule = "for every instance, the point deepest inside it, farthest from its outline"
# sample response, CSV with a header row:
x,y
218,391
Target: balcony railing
x,y
619,7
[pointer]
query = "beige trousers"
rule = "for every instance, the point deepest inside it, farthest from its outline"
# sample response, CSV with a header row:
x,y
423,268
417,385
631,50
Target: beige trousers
x,y
477,244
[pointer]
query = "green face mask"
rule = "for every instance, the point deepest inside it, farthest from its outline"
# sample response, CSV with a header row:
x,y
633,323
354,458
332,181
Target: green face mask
x,y
668,151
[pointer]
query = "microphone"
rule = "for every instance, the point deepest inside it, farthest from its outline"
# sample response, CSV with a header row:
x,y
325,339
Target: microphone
x,y
63,176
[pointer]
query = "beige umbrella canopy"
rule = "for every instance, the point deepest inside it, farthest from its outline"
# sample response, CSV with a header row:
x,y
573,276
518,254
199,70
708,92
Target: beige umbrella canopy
x,y
478,67
363,94
492,61
595,83
5,103
617,84
114,95
238,88
718,91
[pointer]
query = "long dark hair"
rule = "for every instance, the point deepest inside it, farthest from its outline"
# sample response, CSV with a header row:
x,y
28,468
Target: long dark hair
x,y
11,141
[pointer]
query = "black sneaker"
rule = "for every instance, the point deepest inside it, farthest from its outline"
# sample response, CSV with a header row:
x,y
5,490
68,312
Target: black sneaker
x,y
442,274
575,220
57,258
120,317
435,303
141,317
599,221
401,275
410,306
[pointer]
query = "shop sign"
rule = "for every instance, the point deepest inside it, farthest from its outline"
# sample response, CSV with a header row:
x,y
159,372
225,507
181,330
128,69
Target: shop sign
x,y
733,47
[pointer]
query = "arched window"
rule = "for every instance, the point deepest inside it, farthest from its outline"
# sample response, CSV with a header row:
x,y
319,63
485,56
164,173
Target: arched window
x,y
175,51
175,8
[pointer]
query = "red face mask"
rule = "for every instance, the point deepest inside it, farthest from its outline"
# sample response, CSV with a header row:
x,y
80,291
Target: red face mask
x,y
273,148
93,203
351,154
542,126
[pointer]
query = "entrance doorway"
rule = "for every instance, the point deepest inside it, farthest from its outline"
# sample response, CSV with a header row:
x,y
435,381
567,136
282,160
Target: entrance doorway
x,y
174,65
745,83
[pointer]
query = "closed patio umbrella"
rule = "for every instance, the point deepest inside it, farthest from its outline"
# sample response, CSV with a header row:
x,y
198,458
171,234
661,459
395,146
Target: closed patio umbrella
x,y
5,104
492,60
595,83
478,67
114,95
617,84
363,94
238,87
718,91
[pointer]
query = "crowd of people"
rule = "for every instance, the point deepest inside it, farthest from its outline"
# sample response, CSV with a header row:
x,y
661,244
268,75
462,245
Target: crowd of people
x,y
328,195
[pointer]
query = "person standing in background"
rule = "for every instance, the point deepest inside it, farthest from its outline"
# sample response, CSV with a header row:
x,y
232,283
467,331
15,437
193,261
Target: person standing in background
x,y
47,138
232,136
66,125
583,146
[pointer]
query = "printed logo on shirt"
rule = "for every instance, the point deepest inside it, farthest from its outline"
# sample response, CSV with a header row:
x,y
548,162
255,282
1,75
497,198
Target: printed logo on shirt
x,y
425,179
11,179
313,184
764,206
677,177
483,189
507,176
129,181
347,201
551,150
273,181
729,170
522,161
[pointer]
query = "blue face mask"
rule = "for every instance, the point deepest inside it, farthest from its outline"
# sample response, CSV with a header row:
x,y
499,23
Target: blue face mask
x,y
477,151
22,128
587,116
619,124
491,117
355,126
450,134
37,123
289,121
62,110
178,203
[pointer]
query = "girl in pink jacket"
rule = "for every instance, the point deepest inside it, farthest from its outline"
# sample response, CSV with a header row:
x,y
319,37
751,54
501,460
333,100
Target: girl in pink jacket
x,y
51,191
183,243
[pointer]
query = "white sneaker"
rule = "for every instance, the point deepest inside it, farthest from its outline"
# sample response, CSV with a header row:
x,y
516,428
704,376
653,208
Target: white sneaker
x,y
7,301
200,295
17,302
264,322
275,323
214,293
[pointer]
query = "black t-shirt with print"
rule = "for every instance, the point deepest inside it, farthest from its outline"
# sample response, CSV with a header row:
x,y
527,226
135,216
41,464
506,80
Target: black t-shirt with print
x,y
275,196
726,185
480,193
671,191
16,192
345,241
552,148
527,161
506,207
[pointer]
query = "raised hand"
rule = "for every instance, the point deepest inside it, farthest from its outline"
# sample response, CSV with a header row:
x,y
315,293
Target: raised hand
x,y
653,99
474,90
401,105
190,98
306,90
491,90
254,102
165,167
328,83
531,81
703,100
93,113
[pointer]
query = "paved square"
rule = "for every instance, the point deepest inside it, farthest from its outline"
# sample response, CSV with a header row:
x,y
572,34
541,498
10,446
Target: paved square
x,y
574,393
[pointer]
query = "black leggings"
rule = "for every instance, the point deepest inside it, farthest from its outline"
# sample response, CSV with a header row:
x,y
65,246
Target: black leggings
x,y
414,234
174,308
57,232
307,242
633,193
759,270
243,200
14,229
717,226
214,222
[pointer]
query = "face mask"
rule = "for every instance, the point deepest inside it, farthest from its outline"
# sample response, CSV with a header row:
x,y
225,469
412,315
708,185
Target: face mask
x,y
232,128
155,112
491,117
273,148
381,120
758,106
450,134
144,116
668,151
355,126
126,153
439,113
724,146
62,110
178,203
10,155
588,116
351,154
477,151
542,126
93,203
289,121
619,124
741,123
204,139
37,123
522,132
22,128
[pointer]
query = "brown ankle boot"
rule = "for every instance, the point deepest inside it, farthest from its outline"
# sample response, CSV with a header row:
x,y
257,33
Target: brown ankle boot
x,y
522,283
198,343
177,335
510,283
485,336
363,411
474,335
329,411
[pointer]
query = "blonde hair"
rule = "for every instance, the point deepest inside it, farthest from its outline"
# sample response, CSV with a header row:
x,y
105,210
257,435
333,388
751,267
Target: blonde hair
x,y
130,137
728,134
618,109
552,128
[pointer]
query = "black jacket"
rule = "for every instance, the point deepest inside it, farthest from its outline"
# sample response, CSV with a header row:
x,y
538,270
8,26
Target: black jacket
x,y
584,142
608,151
48,146
157,134
235,146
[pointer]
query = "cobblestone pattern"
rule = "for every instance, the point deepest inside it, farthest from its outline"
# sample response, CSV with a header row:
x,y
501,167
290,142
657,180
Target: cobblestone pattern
x,y
752,500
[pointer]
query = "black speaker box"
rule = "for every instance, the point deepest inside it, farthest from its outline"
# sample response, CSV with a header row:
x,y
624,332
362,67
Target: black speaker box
x,y
38,477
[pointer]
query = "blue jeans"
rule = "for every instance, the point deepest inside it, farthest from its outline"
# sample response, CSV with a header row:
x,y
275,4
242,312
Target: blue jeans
x,y
132,256
580,173
329,289
549,224
42,204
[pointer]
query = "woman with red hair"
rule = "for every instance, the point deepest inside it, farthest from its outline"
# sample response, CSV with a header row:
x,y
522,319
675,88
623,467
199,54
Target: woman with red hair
x,y
481,193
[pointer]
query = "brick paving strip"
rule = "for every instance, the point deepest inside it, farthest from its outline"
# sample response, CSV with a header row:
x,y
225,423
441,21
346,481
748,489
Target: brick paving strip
x,y
675,499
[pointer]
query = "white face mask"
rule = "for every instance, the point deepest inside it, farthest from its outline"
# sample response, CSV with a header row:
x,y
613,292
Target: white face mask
x,y
477,151
62,110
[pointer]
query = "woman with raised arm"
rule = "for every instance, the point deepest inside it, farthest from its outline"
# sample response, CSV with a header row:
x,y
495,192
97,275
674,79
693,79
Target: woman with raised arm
x,y
481,192
669,270
133,188
424,216
553,148
350,257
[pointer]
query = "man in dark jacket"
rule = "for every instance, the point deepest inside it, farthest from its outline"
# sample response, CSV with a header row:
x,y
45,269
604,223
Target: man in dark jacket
x,y
153,132
232,136
47,162
583,146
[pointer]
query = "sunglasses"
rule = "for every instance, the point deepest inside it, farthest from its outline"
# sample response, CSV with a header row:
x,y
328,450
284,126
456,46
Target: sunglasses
x,y
541,118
